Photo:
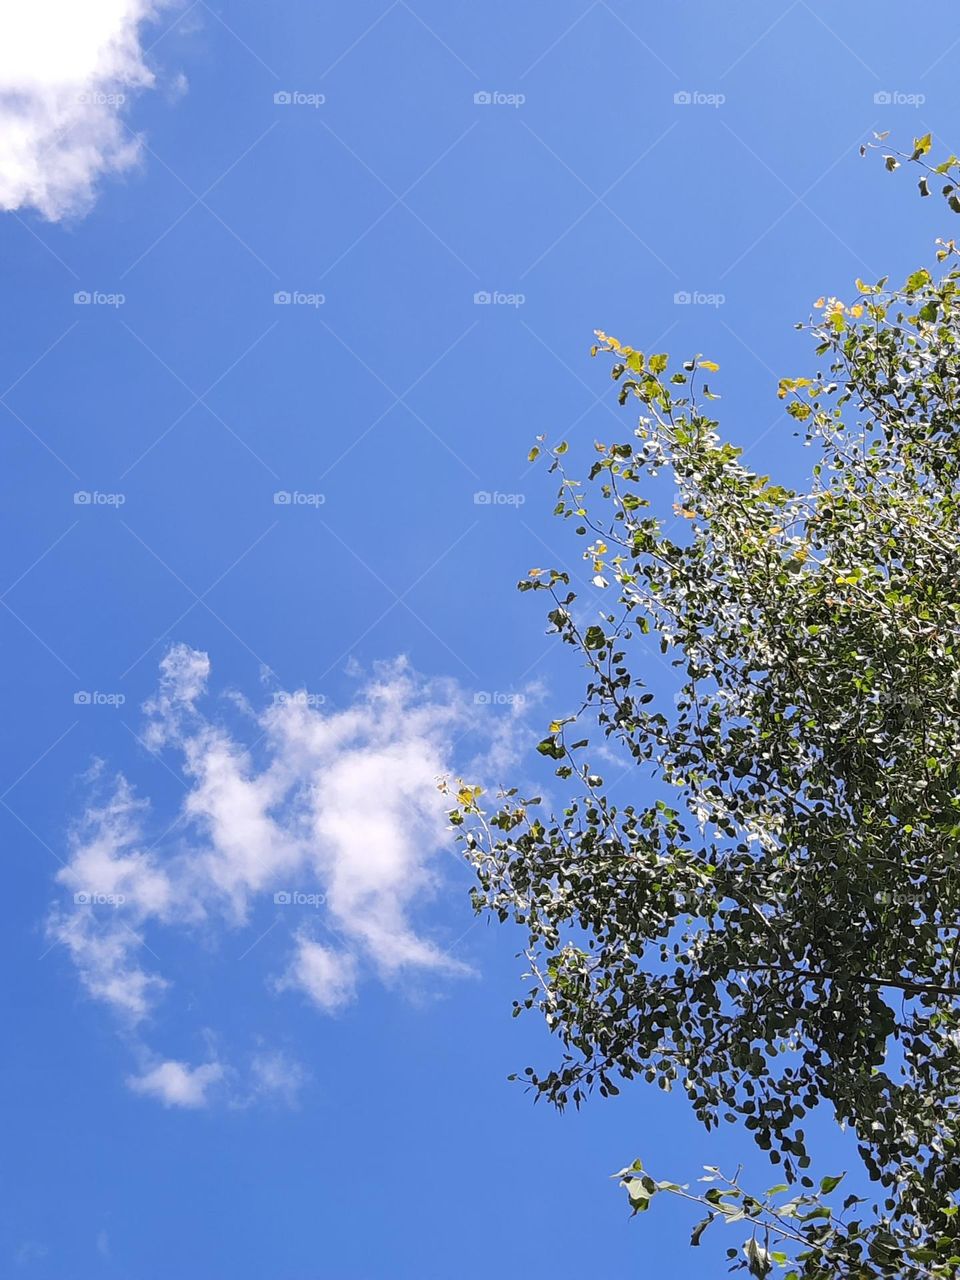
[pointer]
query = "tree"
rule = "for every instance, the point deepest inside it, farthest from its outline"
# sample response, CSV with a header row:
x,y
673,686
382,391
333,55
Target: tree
x,y
774,922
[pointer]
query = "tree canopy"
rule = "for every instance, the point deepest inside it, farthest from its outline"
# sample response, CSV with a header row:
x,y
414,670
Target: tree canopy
x,y
772,923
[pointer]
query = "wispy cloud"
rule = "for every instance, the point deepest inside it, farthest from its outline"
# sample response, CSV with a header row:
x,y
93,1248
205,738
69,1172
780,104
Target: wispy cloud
x,y
339,807
176,1084
31,1251
274,1076
327,976
67,71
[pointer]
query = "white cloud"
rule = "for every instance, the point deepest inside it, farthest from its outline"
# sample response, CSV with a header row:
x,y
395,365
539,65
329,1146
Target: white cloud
x,y
184,673
328,977
176,1084
66,72
338,807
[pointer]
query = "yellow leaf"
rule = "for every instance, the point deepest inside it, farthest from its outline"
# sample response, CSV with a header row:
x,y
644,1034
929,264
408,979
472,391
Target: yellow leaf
x,y
922,145
709,364
605,337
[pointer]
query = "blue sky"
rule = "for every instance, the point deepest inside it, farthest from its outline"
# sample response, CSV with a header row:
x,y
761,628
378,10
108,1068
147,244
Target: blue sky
x,y
357,263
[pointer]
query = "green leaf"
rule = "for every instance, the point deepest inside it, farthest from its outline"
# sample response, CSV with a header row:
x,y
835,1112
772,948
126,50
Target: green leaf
x,y
830,1184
